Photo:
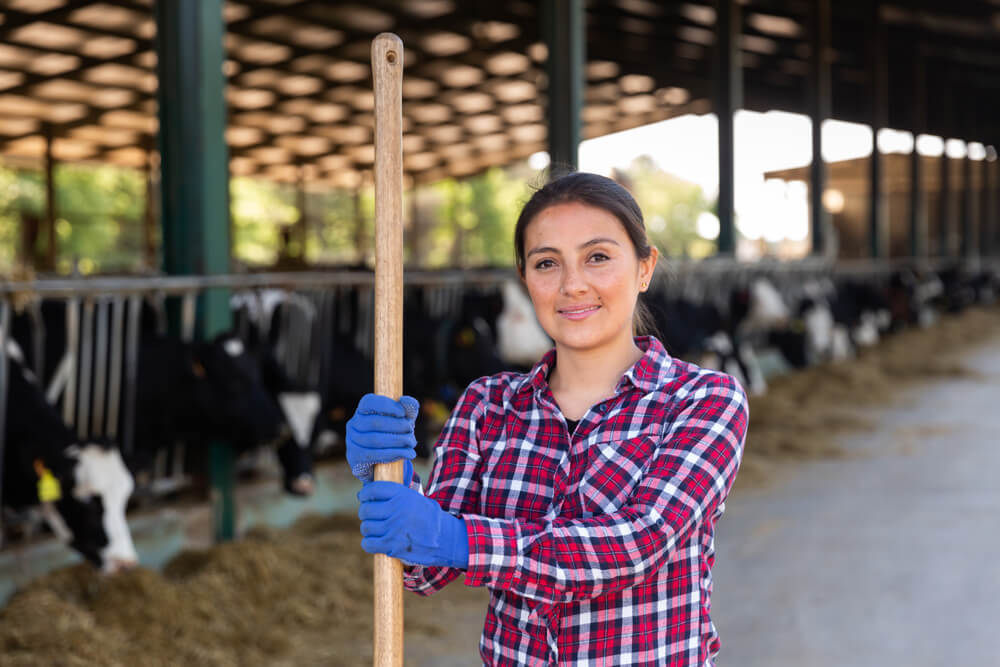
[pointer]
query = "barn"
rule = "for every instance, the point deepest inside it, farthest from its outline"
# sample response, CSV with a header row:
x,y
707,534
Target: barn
x,y
188,308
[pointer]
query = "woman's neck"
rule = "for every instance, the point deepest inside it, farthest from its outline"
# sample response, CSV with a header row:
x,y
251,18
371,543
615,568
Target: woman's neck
x,y
589,372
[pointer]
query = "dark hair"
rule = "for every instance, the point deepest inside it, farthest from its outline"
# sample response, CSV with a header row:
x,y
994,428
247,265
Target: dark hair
x,y
599,192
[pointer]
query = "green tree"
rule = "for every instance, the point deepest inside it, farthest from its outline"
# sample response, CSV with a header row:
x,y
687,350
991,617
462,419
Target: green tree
x,y
259,209
99,218
478,215
99,212
21,193
671,207
334,220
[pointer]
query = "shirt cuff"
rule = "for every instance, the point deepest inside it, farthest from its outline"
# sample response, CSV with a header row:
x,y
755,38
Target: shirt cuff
x,y
493,552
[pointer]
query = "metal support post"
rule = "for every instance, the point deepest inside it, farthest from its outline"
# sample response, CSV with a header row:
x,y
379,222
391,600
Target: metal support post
x,y
564,31
820,110
728,98
878,218
195,178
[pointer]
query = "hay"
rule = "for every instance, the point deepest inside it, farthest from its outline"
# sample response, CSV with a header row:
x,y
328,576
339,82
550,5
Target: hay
x,y
803,414
299,596
241,603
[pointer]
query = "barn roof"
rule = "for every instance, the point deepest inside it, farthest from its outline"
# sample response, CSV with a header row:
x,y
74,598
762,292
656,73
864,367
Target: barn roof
x,y
299,94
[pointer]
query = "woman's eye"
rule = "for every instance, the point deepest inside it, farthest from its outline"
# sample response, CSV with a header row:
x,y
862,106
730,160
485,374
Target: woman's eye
x,y
544,264
599,257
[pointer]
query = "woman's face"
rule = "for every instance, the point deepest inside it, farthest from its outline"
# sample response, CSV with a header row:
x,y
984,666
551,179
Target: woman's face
x,y
583,276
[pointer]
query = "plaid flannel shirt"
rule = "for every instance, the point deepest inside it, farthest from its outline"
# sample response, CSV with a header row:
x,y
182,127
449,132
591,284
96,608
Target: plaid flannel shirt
x,y
597,547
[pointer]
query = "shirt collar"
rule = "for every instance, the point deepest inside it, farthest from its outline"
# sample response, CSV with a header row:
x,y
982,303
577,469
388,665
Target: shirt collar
x,y
650,372
538,376
654,368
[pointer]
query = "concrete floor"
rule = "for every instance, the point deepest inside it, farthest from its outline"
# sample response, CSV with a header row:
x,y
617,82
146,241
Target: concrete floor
x,y
887,557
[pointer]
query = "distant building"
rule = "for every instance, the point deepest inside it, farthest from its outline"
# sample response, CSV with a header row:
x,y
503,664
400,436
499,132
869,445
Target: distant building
x,y
846,198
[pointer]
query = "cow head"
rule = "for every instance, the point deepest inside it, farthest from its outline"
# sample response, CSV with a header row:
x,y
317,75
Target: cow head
x,y
231,397
83,490
95,488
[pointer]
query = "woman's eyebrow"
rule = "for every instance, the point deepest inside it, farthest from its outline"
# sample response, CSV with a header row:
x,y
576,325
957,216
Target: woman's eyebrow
x,y
598,240
540,249
585,244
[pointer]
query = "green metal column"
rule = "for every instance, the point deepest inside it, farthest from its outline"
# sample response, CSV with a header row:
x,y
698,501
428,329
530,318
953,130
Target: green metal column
x,y
944,91
944,206
878,214
988,231
820,110
360,237
195,180
967,242
52,249
918,206
727,99
416,230
918,217
564,31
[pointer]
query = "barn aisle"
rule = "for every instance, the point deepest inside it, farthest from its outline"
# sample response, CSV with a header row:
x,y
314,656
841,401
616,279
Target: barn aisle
x,y
883,557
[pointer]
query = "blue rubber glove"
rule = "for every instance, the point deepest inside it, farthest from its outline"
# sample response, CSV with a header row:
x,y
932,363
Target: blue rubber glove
x,y
381,431
399,521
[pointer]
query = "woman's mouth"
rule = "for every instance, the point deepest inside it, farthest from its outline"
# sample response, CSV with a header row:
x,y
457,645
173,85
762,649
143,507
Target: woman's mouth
x,y
577,313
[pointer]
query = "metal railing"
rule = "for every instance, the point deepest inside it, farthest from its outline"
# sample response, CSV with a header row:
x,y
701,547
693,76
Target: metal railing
x,y
94,382
96,378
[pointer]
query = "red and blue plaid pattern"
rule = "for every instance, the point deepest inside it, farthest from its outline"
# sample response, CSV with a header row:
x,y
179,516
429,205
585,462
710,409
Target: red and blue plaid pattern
x,y
597,548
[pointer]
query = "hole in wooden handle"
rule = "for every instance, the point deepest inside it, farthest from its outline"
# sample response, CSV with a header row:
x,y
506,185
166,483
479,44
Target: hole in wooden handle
x,y
390,56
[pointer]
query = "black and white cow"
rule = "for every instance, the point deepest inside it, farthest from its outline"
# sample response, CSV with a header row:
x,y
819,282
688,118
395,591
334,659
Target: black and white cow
x,y
200,392
481,331
298,407
721,337
521,341
191,392
275,325
91,480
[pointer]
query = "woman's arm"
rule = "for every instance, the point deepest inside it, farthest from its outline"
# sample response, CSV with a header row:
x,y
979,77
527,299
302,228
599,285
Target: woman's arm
x,y
454,479
688,478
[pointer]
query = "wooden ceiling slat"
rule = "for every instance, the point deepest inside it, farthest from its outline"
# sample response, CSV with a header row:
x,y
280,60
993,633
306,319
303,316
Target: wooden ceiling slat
x,y
14,19
477,94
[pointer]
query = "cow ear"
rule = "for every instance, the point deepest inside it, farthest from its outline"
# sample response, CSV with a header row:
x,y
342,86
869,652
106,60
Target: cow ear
x,y
197,369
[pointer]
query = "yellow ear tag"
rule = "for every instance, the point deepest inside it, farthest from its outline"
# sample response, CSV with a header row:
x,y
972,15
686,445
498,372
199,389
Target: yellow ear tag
x,y
49,490
467,337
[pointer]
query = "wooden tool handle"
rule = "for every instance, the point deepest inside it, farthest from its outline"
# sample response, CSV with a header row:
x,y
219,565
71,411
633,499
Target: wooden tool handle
x,y
387,73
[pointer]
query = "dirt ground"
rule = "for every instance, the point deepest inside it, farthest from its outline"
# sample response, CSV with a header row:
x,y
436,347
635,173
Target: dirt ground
x,y
302,596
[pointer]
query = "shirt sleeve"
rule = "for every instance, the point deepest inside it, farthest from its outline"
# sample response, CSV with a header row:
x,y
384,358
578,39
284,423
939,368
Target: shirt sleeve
x,y
691,472
454,478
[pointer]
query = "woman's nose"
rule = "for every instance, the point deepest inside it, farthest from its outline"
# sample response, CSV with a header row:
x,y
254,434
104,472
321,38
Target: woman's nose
x,y
572,282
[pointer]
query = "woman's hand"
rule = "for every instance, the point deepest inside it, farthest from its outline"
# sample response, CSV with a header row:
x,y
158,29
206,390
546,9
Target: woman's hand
x,y
400,522
381,431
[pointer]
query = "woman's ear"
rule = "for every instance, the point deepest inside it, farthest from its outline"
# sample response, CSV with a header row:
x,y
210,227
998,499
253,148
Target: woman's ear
x,y
647,267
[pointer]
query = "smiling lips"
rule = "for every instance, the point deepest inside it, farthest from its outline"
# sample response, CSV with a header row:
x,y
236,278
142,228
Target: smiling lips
x,y
578,312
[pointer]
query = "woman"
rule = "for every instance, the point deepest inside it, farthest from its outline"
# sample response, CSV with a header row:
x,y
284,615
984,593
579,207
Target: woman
x,y
583,494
